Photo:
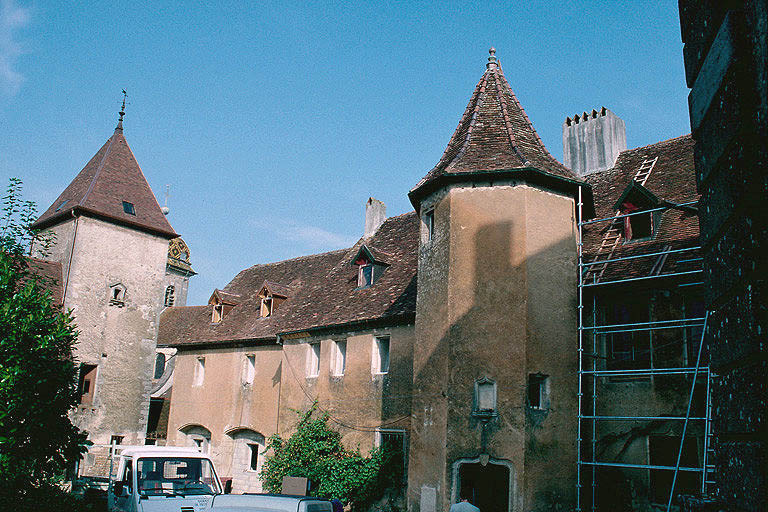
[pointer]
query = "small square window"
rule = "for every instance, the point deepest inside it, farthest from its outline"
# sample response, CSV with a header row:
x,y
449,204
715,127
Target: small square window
x,y
313,359
116,440
128,208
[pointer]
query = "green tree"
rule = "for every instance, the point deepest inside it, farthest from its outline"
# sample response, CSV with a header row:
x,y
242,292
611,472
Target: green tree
x,y
315,451
38,374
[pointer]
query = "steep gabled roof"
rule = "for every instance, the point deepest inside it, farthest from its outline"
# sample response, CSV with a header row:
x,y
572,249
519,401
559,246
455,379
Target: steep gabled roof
x,y
494,134
321,289
672,180
112,176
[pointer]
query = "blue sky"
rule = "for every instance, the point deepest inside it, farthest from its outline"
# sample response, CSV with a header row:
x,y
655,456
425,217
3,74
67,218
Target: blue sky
x,y
273,122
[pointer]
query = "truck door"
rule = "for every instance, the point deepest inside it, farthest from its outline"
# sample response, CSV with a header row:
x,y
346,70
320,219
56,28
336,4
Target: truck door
x,y
124,489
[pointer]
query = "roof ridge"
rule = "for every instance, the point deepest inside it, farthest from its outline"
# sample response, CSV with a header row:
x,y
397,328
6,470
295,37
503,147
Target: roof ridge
x,y
666,141
498,72
306,256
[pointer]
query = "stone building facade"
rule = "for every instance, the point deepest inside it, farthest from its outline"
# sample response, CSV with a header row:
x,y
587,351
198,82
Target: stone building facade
x,y
111,239
726,67
472,372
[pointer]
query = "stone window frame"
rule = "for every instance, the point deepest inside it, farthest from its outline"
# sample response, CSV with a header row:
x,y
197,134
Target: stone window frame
x,y
249,368
198,377
338,357
493,388
117,294
376,359
428,225
313,360
537,394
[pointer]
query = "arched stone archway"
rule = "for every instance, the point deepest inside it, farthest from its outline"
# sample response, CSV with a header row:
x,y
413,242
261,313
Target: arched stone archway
x,y
247,458
489,482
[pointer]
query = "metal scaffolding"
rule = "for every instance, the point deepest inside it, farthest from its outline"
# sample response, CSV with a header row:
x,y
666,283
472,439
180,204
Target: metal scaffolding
x,y
592,375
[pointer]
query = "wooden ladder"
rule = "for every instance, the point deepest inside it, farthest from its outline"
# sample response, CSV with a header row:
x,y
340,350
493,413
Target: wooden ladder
x,y
612,237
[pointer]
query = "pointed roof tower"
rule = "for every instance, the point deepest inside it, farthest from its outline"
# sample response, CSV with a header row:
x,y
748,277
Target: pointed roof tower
x,y
111,186
494,140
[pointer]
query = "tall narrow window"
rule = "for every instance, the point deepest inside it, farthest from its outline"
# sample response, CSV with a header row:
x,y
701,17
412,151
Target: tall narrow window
x,y
339,357
254,462
170,295
538,391
249,370
313,359
87,384
199,377
380,362
159,365
429,225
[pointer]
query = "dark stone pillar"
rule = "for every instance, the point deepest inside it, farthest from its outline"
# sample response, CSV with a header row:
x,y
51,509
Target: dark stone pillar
x,y
726,64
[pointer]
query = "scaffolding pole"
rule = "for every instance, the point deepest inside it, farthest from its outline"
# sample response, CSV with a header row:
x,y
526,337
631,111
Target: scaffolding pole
x,y
687,277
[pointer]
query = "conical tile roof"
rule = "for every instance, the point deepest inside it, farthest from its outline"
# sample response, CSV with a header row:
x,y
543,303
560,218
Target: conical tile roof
x,y
494,134
111,177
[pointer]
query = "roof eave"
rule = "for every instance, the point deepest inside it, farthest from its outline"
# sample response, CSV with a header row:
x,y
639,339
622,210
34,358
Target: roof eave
x,y
87,212
529,174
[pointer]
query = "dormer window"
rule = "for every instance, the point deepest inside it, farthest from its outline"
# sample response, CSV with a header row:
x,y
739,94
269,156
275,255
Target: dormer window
x,y
129,208
218,313
634,202
639,226
365,275
266,306
369,267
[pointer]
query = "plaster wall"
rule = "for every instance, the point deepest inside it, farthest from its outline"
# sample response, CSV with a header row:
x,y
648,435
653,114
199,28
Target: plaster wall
x,y
496,300
225,404
361,400
120,339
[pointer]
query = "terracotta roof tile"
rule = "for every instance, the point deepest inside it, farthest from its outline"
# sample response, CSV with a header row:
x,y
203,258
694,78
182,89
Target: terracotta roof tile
x,y
672,180
494,134
321,292
112,176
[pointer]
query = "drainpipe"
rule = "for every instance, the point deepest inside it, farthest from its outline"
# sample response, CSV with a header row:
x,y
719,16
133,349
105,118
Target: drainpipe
x,y
69,263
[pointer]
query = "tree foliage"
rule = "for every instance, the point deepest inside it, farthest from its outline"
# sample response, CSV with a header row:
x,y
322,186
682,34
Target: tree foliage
x,y
38,374
315,451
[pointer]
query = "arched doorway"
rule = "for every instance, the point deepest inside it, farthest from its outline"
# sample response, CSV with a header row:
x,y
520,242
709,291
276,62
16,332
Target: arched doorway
x,y
489,486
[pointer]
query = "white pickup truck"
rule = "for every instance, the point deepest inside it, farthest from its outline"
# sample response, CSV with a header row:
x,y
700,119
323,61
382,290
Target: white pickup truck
x,y
170,479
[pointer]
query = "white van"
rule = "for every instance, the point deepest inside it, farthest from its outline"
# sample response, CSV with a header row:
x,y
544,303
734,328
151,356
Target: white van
x,y
269,503
160,478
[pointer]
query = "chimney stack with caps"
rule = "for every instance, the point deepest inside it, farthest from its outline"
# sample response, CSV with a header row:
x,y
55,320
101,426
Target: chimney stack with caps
x,y
593,140
375,215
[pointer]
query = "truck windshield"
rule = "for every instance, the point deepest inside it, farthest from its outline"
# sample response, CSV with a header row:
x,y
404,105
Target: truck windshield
x,y
176,476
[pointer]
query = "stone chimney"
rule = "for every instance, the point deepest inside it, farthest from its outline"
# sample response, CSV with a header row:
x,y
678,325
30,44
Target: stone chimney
x,y
593,140
375,215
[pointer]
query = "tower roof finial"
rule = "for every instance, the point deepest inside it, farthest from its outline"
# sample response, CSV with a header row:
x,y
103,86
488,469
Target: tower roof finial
x,y
492,60
122,113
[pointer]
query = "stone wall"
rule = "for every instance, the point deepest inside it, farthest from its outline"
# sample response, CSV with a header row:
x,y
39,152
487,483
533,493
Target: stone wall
x,y
726,62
